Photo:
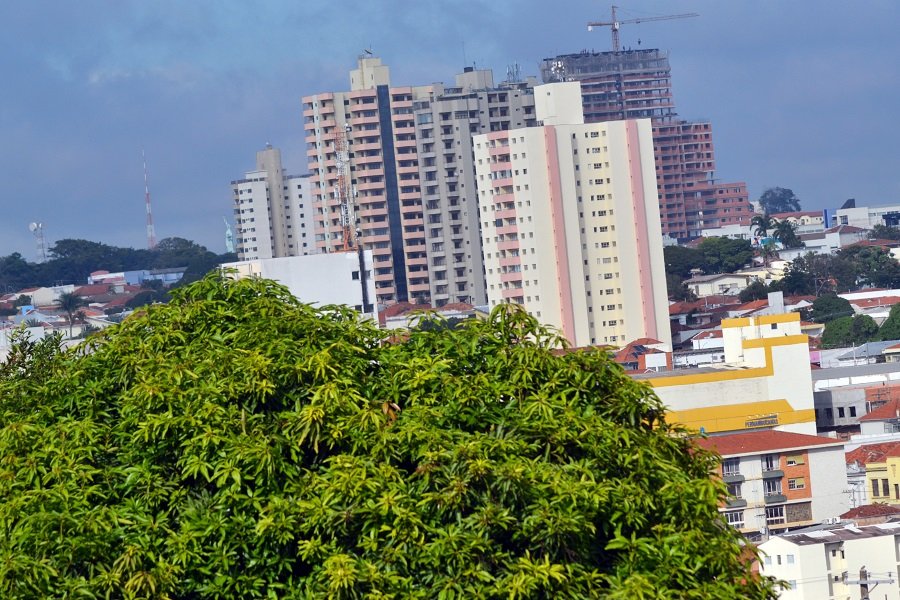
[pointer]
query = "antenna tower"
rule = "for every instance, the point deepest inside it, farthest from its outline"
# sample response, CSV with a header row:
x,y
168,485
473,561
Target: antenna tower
x,y
151,233
37,229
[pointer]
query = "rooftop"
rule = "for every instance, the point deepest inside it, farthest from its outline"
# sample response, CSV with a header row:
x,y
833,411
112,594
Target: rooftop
x,y
887,412
842,534
755,442
870,453
867,511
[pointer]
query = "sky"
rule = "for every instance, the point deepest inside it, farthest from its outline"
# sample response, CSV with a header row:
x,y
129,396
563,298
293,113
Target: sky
x,y
801,94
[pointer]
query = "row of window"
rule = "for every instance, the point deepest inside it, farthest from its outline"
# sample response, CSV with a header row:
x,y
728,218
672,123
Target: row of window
x,y
770,462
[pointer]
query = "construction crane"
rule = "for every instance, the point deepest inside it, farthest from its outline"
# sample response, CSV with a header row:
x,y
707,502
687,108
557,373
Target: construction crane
x,y
615,23
343,190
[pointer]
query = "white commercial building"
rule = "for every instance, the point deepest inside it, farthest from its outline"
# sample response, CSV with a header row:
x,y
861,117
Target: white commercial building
x,y
272,211
570,222
319,279
849,562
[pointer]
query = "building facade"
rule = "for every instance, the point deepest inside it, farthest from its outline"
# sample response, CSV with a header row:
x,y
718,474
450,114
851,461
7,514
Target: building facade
x,y
635,84
764,383
778,480
348,276
569,224
857,563
409,164
272,211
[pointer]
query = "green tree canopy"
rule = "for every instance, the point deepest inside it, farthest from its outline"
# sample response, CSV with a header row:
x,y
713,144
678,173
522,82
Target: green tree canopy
x,y
238,444
725,255
885,232
678,289
757,290
681,259
779,200
890,329
837,333
830,307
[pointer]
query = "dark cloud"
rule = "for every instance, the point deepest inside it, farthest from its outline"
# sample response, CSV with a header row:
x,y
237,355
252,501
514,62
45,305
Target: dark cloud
x,y
800,94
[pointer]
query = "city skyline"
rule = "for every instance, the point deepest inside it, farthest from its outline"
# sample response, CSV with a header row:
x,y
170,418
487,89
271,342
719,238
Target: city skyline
x,y
795,103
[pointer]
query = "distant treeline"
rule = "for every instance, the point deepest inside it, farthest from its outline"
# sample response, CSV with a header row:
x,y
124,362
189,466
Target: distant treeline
x,y
72,261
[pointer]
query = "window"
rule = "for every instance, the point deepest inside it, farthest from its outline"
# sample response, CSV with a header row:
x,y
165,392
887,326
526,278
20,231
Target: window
x,y
790,559
875,487
772,486
731,466
735,518
774,515
852,411
797,459
797,483
734,490
829,414
770,462
885,488
840,412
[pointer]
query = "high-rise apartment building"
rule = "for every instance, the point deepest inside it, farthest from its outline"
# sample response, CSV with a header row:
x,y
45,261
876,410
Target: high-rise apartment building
x,y
272,211
570,222
637,84
412,185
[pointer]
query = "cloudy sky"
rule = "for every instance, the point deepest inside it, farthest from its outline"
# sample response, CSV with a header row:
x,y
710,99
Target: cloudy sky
x,y
801,94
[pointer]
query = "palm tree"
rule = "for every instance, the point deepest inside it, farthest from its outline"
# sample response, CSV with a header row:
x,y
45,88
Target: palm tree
x,y
786,233
761,224
70,302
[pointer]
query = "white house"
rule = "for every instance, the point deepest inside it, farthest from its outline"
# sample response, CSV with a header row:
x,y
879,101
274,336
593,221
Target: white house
x,y
836,563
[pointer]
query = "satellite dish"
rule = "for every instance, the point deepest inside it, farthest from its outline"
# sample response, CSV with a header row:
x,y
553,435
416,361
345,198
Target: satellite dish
x,y
32,226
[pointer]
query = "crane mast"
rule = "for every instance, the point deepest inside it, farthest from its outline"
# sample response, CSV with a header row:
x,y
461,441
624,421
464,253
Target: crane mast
x,y
343,190
614,24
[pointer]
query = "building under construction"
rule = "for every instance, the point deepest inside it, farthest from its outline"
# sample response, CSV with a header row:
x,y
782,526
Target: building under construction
x,y
637,84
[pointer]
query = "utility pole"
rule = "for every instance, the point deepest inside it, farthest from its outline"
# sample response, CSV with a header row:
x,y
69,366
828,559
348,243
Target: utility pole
x,y
865,581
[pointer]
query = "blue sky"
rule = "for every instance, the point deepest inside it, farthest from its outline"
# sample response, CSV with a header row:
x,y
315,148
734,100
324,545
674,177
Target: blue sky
x,y
801,94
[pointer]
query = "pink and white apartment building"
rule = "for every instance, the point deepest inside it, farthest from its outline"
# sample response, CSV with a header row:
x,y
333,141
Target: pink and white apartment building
x,y
570,222
409,163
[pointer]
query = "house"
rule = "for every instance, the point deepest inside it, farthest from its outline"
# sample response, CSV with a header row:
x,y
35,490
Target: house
x,y
779,480
832,563
804,221
872,514
729,284
643,355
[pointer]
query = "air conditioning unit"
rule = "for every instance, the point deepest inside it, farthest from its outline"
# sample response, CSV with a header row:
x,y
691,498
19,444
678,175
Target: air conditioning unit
x,y
832,520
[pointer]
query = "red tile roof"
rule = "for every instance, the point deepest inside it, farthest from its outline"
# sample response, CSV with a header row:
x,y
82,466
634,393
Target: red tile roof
x,y
874,302
877,242
92,290
756,442
891,410
644,342
754,305
868,511
872,453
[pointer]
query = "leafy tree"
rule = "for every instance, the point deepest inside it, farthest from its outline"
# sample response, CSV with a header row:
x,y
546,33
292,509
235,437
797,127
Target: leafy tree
x,y
15,273
863,329
786,234
873,266
757,290
890,329
680,260
23,300
884,232
235,443
779,200
838,333
70,302
725,255
830,307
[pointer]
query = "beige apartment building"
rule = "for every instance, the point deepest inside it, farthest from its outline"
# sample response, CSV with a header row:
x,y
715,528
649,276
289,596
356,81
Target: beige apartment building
x,y
570,222
408,161
272,211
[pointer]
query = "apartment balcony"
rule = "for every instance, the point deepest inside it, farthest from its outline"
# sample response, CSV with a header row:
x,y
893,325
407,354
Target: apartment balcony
x,y
775,498
773,474
508,245
735,503
733,478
